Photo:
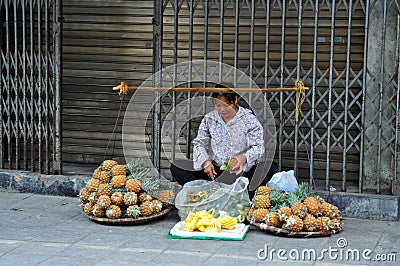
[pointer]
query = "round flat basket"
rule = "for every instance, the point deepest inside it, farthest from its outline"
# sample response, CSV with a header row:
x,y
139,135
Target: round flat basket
x,y
130,221
285,232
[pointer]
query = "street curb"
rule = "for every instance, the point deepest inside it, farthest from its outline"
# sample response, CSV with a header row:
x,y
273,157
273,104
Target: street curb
x,y
28,182
365,206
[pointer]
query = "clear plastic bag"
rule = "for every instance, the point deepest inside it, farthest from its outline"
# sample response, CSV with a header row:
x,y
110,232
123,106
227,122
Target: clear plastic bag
x,y
201,195
285,181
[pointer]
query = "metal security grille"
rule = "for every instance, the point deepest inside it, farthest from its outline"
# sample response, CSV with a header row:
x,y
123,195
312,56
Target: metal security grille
x,y
30,104
347,52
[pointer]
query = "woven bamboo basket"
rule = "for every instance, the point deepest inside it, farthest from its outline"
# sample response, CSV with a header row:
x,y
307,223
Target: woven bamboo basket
x,y
130,221
285,232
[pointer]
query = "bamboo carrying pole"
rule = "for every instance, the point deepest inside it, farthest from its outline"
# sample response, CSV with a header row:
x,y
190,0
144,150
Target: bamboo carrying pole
x,y
123,89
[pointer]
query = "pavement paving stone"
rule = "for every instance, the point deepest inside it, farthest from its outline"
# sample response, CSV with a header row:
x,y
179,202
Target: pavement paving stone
x,y
60,234
109,239
17,259
28,248
232,260
66,261
185,257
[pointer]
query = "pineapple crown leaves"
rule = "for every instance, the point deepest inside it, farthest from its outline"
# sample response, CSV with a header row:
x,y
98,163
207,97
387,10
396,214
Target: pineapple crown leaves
x,y
138,171
303,191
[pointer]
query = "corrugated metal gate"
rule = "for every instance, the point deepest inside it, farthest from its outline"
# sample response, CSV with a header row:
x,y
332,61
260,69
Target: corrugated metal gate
x,y
345,51
30,104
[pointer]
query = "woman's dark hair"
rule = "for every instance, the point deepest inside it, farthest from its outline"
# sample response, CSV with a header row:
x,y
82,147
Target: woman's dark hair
x,y
231,96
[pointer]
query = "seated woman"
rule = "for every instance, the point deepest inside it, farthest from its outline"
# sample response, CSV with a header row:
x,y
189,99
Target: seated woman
x,y
230,132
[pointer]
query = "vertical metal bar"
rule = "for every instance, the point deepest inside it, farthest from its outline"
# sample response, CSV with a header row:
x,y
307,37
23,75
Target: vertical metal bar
x,y
364,93
157,63
39,85
46,85
1,89
205,43
346,103
236,44
394,189
382,80
328,144
174,82
57,137
267,31
298,68
32,85
221,39
266,80
314,84
282,81
252,18
17,88
189,124
8,85
24,86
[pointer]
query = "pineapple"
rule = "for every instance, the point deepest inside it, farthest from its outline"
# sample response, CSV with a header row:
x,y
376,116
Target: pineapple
x,y
329,210
104,202
93,197
104,189
319,199
299,209
312,205
323,224
146,208
96,173
309,223
257,215
261,202
117,198
98,211
167,197
272,219
133,211
130,198
104,176
87,208
107,165
84,195
294,223
118,170
113,212
132,185
145,197
118,181
284,213
92,184
336,222
157,205
263,190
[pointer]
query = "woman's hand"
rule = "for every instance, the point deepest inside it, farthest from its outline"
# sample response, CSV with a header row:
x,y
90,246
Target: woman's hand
x,y
241,161
209,170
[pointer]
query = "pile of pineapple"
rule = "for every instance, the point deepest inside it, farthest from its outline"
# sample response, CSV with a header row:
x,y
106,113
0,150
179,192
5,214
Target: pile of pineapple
x,y
298,211
123,191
